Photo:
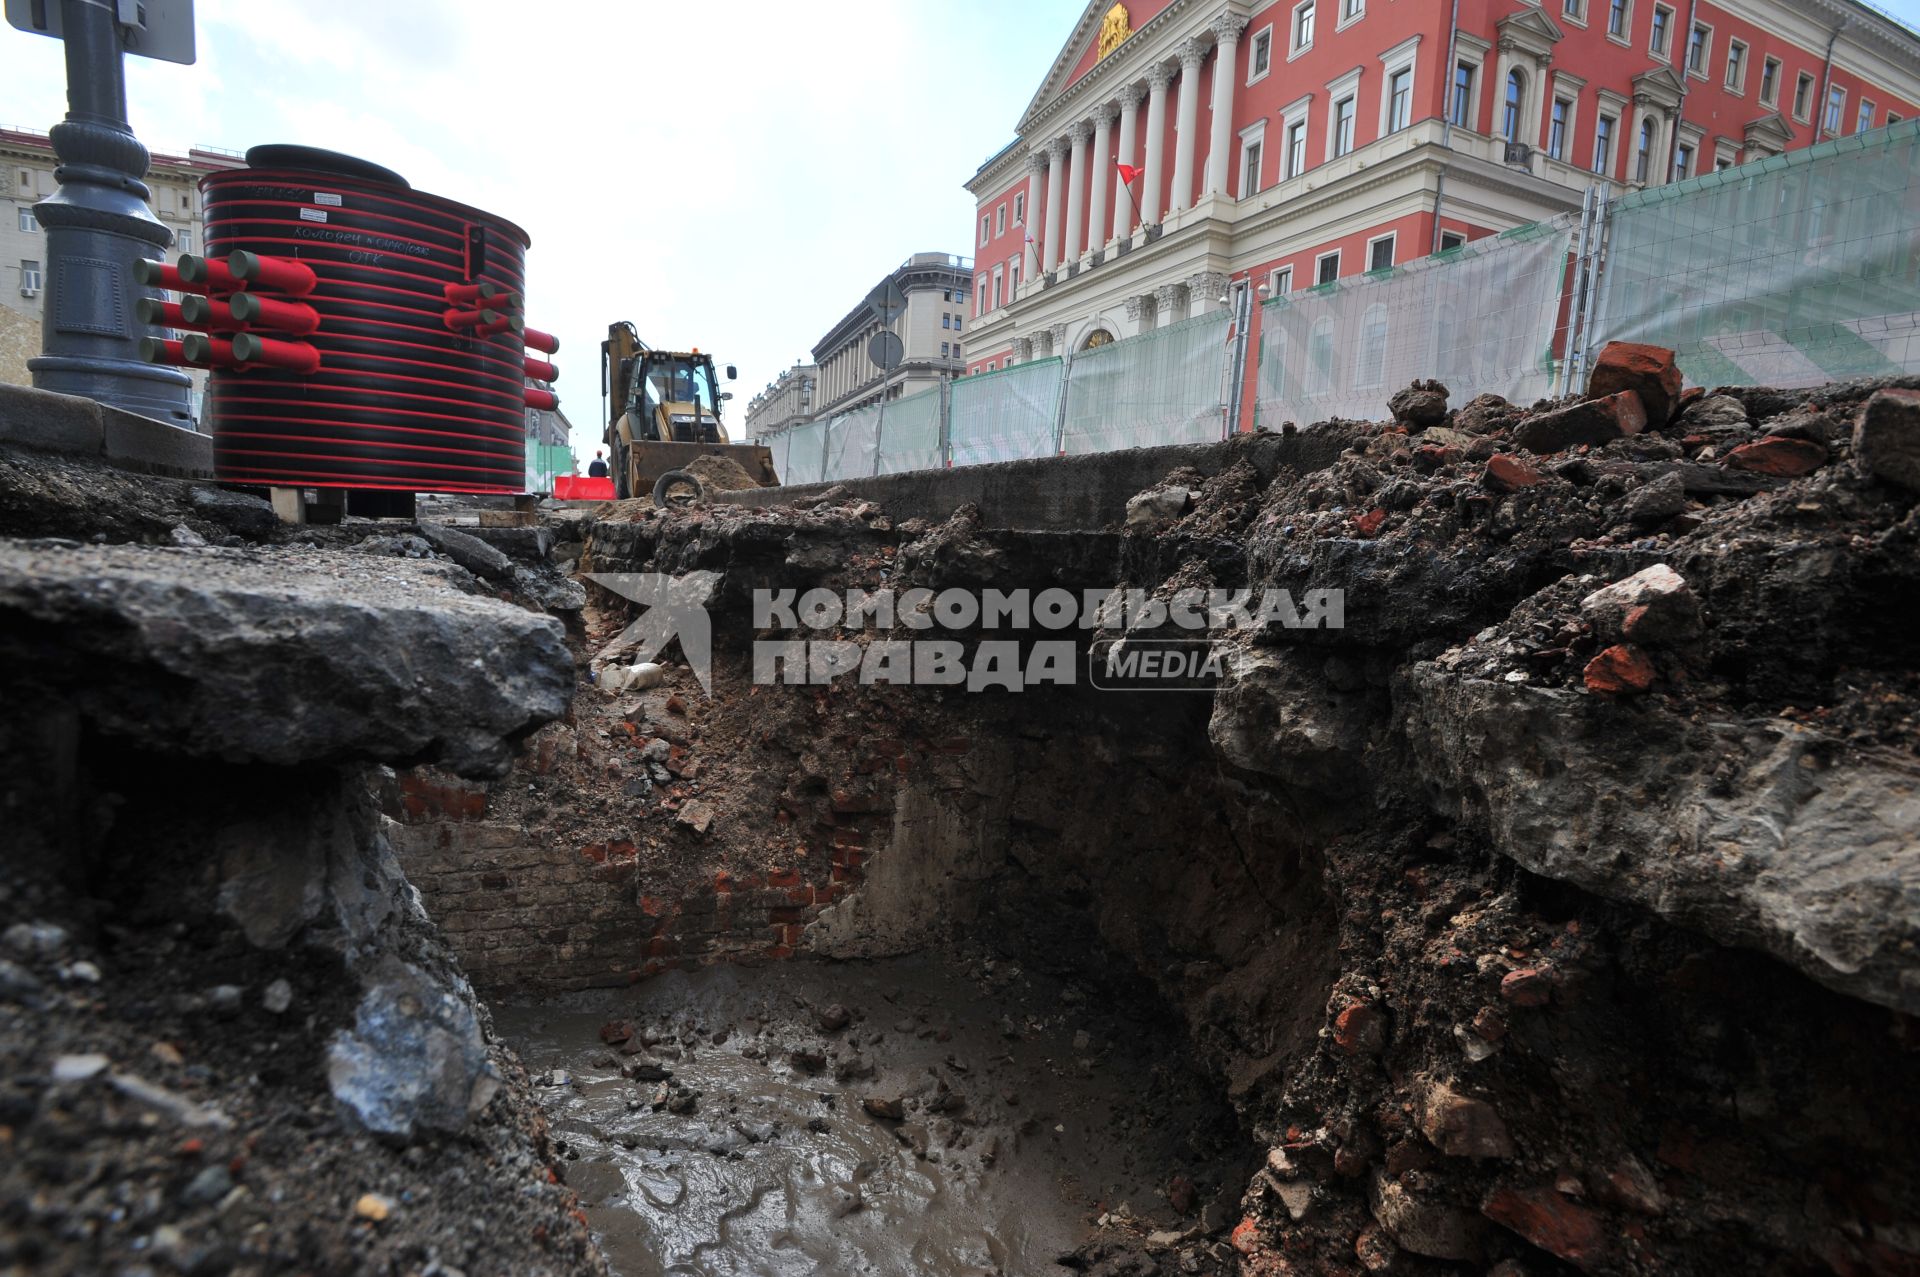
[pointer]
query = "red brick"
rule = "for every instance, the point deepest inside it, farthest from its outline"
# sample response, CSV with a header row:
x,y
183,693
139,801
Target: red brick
x,y
784,878
1650,371
723,882
1786,458
654,907
1527,987
1369,523
783,914
1507,474
1554,1223
1620,670
1361,1029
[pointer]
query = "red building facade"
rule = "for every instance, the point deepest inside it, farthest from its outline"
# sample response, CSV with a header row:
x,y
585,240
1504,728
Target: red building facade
x,y
1297,141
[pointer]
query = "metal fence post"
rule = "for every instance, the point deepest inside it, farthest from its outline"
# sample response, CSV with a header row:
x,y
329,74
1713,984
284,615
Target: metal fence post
x,y
1596,268
1237,358
1067,361
946,422
1570,357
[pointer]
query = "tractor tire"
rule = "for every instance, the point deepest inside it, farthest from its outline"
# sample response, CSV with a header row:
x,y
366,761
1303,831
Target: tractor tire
x,y
666,482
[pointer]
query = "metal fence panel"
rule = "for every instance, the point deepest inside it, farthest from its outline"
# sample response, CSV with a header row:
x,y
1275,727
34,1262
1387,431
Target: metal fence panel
x,y
910,436
1006,415
1790,271
853,442
804,453
1164,386
1481,318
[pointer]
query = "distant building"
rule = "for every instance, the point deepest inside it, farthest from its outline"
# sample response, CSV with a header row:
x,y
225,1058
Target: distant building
x,y
1289,143
787,401
932,331
26,177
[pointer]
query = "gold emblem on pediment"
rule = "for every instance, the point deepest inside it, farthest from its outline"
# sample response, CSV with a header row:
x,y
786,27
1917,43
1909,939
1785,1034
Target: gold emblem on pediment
x,y
1113,30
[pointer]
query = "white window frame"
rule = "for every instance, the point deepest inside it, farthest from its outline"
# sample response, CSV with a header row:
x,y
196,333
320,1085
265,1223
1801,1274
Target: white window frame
x,y
1684,168
1779,75
1863,115
1365,378
1295,45
1804,80
1280,281
1391,238
980,294
1706,50
1459,239
1611,166
29,224
1019,208
1645,145
1334,256
1737,84
1295,114
1725,155
1351,11
1834,114
1624,36
1000,219
32,275
1401,57
1253,51
1344,89
1253,135
999,286
1559,141
986,227
184,240
1673,16
1578,16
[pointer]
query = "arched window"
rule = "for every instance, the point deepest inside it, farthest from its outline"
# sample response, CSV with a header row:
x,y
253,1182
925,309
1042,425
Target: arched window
x,y
1095,339
1320,356
1371,370
1273,359
1516,94
1643,157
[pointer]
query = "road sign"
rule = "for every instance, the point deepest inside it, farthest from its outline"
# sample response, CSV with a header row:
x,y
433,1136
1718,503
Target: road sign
x,y
160,29
885,349
887,302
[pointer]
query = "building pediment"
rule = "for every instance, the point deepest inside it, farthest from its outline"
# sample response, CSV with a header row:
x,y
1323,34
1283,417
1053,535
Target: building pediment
x,y
1531,31
1771,132
1101,42
1661,86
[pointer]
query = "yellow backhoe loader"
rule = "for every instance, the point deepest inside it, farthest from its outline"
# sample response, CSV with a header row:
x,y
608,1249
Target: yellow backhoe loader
x,y
662,411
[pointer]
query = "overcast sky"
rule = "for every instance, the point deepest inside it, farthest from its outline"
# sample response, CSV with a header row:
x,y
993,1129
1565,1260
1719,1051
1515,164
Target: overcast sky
x,y
728,176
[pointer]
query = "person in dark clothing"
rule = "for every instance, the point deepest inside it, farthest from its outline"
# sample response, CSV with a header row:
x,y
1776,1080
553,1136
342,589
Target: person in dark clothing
x,y
597,468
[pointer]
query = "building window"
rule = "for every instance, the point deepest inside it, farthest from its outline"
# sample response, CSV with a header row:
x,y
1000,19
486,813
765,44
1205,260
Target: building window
x,y
1892,119
1603,145
1736,65
1343,126
1643,159
1296,148
946,319
1280,283
1352,9
1013,277
1769,81
1327,268
1557,129
1617,18
957,320
1682,162
1463,95
1020,209
1260,59
944,352
986,224
1320,355
1380,253
1699,45
1000,220
1450,240
186,241
1660,42
1803,98
1370,371
999,279
28,222
1575,10
26,179
1865,119
1249,168
1516,94
29,277
1836,107
1303,26
1399,99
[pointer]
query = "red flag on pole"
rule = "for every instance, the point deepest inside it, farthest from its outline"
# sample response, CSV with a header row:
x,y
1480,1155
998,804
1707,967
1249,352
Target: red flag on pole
x,y
1128,172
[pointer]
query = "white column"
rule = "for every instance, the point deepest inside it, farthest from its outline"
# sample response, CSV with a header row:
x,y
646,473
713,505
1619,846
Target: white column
x,y
1122,201
1157,81
1076,184
1226,35
1192,52
1097,175
1056,220
1032,262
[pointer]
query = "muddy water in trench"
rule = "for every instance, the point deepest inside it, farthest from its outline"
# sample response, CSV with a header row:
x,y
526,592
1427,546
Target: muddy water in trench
x,y
1031,1108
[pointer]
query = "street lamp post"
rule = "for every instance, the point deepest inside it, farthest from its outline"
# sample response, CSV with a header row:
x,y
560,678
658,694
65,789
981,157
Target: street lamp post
x,y
98,225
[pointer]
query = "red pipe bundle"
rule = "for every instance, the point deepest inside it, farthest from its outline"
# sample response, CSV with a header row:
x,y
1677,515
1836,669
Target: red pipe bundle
x,y
380,391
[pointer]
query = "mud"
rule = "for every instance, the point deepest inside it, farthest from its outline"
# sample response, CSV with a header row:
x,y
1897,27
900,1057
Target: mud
x,y
1031,1110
